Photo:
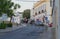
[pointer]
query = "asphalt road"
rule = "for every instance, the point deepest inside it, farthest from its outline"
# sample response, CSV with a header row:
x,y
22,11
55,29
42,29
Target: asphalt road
x,y
28,32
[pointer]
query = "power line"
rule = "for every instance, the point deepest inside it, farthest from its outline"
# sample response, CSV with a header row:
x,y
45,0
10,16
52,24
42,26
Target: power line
x,y
27,1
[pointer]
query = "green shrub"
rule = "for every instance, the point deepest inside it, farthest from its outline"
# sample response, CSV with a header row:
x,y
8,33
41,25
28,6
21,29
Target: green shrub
x,y
2,25
9,25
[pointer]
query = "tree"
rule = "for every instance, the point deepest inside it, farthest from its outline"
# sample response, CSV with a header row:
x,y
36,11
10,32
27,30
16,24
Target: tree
x,y
16,6
26,13
6,7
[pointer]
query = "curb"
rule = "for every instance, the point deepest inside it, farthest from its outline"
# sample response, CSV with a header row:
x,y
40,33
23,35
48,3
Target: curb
x,y
12,29
53,33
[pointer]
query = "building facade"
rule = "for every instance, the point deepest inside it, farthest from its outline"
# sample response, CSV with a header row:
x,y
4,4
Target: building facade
x,y
5,18
17,18
41,9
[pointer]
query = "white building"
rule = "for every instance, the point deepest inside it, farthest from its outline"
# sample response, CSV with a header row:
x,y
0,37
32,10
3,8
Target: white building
x,y
17,18
4,17
40,9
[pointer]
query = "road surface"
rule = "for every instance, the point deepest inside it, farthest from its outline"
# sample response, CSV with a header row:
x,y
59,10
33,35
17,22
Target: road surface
x,y
28,32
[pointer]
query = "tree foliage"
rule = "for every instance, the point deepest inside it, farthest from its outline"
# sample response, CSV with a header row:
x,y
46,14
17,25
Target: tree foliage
x,y
26,13
16,6
6,7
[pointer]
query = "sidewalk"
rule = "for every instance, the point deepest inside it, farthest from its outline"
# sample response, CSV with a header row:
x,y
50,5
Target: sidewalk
x,y
47,34
14,27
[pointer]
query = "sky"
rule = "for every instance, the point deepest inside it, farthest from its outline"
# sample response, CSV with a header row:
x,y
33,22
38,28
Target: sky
x,y
25,4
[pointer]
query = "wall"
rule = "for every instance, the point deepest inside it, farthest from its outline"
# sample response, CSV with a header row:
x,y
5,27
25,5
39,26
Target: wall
x,y
31,14
56,18
57,4
42,6
49,11
16,19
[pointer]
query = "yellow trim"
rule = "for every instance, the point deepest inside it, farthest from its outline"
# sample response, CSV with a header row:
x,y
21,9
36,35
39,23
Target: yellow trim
x,y
36,5
40,2
51,10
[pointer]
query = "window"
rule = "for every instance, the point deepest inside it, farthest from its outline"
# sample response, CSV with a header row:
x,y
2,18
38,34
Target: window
x,y
42,11
33,8
39,12
35,13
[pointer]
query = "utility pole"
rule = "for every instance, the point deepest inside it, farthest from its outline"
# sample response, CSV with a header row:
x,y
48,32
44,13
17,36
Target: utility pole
x,y
53,19
53,5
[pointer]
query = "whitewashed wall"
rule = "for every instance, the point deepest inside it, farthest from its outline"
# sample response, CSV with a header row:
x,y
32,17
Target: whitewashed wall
x,y
40,8
31,14
57,4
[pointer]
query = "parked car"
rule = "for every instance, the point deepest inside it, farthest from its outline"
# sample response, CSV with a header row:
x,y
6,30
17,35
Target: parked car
x,y
50,24
39,23
31,21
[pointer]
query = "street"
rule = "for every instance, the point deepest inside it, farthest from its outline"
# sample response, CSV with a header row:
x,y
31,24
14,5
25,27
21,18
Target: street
x,y
28,32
